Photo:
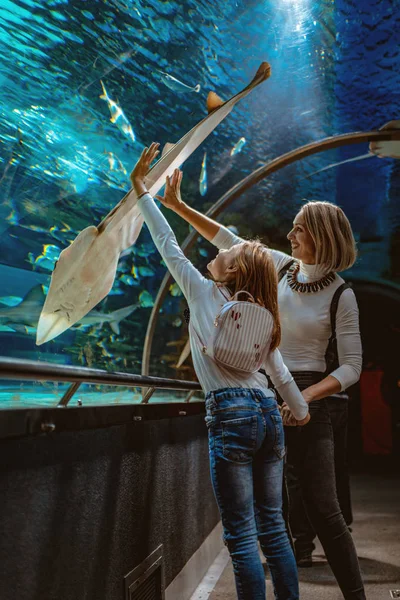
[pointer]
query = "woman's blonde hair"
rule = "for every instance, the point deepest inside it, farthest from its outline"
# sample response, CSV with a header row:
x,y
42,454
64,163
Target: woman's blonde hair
x,y
330,229
256,274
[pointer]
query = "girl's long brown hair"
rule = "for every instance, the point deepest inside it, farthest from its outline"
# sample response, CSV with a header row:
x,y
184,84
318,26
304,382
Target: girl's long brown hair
x,y
257,275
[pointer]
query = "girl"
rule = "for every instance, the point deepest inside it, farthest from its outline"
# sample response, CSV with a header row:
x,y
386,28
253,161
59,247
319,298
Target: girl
x,y
322,245
246,440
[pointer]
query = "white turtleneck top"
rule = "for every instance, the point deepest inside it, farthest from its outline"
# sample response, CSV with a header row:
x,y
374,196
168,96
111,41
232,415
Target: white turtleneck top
x,y
205,300
305,320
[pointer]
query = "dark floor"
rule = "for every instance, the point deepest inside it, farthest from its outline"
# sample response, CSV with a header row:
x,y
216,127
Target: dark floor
x,y
376,531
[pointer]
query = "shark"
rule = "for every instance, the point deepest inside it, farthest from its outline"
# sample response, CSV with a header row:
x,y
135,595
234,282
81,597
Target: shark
x,y
26,313
85,271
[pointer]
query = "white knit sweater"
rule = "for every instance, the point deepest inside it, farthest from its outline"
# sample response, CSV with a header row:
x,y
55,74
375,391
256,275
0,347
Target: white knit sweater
x,y
305,320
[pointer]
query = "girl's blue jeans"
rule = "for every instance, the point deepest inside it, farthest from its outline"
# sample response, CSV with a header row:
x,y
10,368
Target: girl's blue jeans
x,y
247,448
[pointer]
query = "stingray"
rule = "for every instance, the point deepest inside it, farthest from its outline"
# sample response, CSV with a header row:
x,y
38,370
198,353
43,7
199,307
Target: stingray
x,y
85,271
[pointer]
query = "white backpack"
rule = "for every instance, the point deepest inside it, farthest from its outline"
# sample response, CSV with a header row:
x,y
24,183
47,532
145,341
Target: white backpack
x,y
242,335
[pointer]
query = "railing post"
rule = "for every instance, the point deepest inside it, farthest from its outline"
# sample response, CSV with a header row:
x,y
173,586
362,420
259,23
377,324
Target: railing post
x,y
68,394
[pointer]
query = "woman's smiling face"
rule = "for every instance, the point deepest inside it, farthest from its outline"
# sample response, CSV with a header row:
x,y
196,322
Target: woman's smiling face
x,y
303,247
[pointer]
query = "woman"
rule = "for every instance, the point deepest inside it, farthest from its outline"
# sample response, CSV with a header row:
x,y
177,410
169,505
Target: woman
x,y
322,245
246,440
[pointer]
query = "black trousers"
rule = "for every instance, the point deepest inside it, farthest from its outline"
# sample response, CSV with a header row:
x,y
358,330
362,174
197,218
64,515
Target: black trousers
x,y
310,454
302,531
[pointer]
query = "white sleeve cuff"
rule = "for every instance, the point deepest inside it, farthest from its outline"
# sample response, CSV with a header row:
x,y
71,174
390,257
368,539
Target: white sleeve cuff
x,y
225,239
346,376
290,393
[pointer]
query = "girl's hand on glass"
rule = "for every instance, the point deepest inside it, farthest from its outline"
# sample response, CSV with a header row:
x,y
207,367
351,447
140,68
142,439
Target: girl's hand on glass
x,y
142,166
172,193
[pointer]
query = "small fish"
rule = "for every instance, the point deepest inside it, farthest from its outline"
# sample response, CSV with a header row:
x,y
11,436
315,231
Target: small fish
x,y
203,252
10,300
168,358
114,163
338,164
6,329
203,176
116,291
238,146
145,271
128,280
104,350
177,86
126,252
111,160
174,289
177,322
146,299
176,343
62,235
117,115
121,59
47,259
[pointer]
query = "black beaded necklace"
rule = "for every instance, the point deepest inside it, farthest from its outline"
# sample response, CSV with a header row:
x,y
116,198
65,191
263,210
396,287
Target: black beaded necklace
x,y
309,287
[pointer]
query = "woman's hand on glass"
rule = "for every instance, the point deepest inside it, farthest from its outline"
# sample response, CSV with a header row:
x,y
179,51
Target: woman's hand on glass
x,y
172,193
142,167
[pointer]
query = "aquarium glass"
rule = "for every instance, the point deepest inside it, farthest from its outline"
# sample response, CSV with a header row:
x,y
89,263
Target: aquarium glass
x,y
86,85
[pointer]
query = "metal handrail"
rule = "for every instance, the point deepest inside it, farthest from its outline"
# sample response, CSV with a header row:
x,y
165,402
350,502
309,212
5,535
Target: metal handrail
x,y
11,368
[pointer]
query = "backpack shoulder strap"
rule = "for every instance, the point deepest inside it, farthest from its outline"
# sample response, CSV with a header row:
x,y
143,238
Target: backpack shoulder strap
x,y
285,269
225,292
334,307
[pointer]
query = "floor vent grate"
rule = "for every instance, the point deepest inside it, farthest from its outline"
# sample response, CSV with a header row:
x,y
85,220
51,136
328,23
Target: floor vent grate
x,y
146,581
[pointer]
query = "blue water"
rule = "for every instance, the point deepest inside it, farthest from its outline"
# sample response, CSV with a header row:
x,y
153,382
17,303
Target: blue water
x,y
64,164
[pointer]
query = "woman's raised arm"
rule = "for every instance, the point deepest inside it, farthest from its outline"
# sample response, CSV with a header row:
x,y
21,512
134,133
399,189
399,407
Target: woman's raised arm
x,y
189,279
208,228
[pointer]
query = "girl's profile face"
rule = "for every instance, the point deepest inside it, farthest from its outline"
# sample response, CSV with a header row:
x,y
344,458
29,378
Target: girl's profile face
x,y
223,266
303,247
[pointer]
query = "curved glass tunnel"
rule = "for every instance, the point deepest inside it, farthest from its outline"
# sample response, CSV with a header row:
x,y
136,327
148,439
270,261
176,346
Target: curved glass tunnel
x,y
65,164
89,493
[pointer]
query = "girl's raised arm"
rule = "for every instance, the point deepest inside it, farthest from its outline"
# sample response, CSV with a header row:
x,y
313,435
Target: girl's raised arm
x,y
189,279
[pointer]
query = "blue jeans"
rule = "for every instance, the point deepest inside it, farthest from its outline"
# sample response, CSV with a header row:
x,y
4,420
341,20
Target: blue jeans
x,y
247,447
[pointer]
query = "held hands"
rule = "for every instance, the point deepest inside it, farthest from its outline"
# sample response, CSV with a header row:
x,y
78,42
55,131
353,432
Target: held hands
x,y
289,420
142,167
172,194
